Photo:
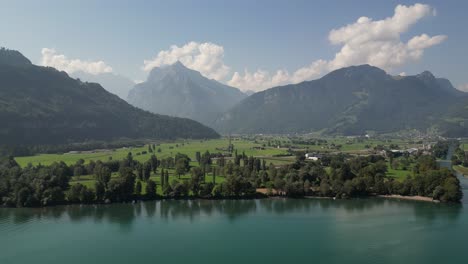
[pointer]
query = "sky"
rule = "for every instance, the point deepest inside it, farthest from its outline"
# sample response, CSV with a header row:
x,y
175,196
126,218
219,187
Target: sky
x,y
252,45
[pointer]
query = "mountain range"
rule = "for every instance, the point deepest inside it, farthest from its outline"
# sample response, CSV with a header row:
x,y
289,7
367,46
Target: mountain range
x,y
41,105
350,101
178,91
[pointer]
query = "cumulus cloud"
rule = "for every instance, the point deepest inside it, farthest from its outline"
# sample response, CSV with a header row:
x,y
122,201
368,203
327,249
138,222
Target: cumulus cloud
x,y
207,58
463,87
366,41
51,58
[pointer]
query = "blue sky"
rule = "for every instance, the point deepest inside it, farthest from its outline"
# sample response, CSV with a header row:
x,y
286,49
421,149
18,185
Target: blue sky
x,y
262,37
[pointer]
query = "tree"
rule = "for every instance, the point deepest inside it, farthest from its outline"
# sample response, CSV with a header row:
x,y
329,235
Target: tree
x,y
325,189
78,171
151,189
154,163
279,185
198,157
451,190
100,190
205,159
221,161
214,176
163,183
207,189
167,189
306,187
181,167
80,193
73,195
138,188
102,174
139,169
121,188
237,158
195,180
146,171
166,178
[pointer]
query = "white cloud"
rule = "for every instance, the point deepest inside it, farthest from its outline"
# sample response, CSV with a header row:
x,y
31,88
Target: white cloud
x,y
260,78
207,58
61,62
463,87
366,41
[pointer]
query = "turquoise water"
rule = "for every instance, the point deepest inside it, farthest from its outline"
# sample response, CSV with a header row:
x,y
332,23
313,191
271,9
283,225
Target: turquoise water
x,y
244,231
248,231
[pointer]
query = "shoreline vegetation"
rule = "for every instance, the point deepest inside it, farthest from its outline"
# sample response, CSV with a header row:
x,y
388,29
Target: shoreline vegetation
x,y
227,174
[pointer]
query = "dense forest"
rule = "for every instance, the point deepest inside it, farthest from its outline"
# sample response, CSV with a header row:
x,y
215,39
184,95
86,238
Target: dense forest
x,y
337,176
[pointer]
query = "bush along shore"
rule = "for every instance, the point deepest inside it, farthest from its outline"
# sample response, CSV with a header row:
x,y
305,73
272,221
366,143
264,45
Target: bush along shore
x,y
337,176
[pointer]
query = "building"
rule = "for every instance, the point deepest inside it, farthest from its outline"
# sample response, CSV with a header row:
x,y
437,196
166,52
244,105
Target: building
x,y
313,156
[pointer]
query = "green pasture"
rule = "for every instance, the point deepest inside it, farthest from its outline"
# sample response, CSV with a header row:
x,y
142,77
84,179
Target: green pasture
x,y
189,147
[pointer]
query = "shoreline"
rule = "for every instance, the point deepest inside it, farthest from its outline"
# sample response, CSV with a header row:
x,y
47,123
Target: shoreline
x,y
409,198
389,196
258,196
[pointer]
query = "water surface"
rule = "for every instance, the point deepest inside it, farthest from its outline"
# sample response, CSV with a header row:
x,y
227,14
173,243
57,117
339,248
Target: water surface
x,y
248,231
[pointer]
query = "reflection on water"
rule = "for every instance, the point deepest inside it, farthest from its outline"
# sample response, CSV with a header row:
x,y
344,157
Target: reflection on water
x,y
124,215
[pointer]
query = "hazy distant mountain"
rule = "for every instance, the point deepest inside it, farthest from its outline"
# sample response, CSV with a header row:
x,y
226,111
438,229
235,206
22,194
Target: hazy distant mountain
x,y
178,91
351,100
113,83
40,105
249,92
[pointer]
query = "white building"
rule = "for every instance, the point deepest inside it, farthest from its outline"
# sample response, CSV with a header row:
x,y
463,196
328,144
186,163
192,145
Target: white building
x,y
313,156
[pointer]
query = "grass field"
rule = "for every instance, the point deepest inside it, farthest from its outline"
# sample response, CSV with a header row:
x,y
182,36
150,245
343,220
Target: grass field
x,y
398,174
167,150
256,146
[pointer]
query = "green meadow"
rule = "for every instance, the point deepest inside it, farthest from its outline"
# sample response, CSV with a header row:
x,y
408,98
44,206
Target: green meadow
x,y
163,150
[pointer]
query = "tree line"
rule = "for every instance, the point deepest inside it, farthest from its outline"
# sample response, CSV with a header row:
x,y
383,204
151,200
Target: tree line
x,y
337,176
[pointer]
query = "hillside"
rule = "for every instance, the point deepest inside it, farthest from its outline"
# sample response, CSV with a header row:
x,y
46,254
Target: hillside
x,y
40,105
178,91
347,101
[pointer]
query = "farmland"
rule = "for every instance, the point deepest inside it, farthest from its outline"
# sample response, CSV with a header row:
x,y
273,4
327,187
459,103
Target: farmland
x,y
163,150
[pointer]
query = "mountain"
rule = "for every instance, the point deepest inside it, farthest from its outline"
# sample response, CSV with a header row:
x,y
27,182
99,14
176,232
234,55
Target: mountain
x,y
349,101
249,92
40,105
113,83
13,58
178,91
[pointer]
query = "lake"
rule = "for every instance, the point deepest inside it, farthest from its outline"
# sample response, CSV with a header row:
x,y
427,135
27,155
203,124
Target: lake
x,y
242,231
